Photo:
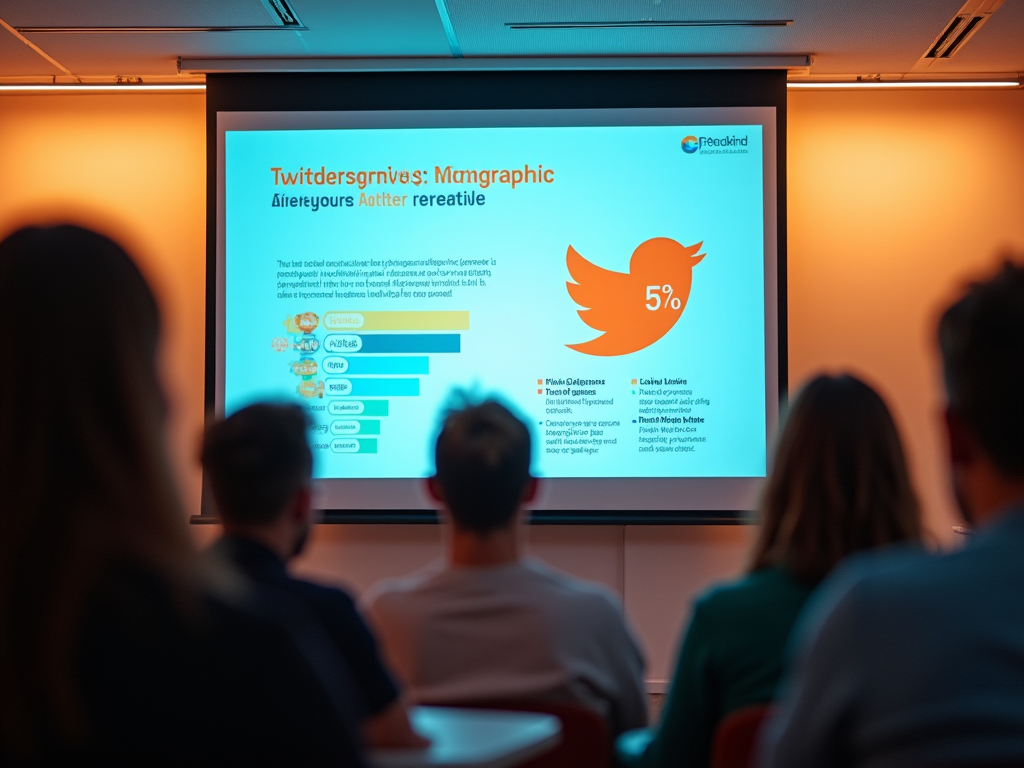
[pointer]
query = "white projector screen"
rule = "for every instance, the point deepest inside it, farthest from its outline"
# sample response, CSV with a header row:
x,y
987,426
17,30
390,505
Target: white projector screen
x,y
610,274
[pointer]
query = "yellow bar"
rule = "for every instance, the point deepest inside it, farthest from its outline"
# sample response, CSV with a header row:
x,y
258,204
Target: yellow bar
x,y
396,321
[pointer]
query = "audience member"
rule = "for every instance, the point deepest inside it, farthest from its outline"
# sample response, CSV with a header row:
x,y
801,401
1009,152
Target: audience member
x,y
489,625
917,659
258,465
117,645
839,484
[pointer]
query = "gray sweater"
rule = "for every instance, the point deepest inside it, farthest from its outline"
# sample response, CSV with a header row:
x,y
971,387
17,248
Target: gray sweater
x,y
515,632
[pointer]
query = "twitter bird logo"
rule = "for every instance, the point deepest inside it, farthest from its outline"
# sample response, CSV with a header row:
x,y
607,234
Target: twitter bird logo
x,y
636,309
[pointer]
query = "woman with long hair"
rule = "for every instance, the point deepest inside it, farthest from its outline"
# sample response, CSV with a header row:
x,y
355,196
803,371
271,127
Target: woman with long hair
x,y
839,485
117,644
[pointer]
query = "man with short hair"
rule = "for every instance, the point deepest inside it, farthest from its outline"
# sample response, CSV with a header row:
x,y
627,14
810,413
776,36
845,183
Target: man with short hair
x,y
258,465
488,625
915,659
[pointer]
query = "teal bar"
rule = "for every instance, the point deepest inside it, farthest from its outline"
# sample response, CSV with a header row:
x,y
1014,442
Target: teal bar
x,y
398,366
385,387
371,387
369,426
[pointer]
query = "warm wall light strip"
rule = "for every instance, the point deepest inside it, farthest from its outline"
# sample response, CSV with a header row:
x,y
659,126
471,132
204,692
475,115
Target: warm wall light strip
x,y
910,84
648,24
156,87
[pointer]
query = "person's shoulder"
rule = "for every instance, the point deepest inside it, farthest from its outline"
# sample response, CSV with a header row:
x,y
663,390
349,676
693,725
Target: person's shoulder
x,y
755,587
563,588
869,586
323,595
894,573
397,591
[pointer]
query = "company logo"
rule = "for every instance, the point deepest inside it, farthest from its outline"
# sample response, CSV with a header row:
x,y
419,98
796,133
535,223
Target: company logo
x,y
633,309
716,145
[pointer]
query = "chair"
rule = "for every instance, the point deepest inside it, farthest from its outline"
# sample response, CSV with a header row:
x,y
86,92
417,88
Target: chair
x,y
586,740
736,737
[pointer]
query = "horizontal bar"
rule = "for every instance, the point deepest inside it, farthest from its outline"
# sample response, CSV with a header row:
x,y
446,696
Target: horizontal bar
x,y
188,65
151,30
537,517
648,23
372,387
360,366
385,343
133,88
876,84
353,445
397,321
358,407
345,427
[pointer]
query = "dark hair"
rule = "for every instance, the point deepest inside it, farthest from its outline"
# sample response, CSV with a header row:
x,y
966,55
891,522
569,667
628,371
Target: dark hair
x,y
839,484
483,465
256,460
84,479
982,341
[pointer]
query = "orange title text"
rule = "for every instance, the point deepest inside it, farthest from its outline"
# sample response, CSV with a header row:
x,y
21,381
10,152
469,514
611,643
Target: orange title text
x,y
481,177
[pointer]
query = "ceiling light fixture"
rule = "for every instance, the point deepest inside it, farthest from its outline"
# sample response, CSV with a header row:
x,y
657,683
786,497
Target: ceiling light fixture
x,y
875,84
647,23
130,30
96,88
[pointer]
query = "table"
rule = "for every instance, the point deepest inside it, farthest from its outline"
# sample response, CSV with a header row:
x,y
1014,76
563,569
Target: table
x,y
473,738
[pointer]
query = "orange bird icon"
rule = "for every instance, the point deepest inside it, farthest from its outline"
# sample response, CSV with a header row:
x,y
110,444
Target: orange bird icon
x,y
636,309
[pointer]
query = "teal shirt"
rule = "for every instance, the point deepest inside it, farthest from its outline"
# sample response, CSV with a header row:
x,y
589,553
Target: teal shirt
x,y
731,658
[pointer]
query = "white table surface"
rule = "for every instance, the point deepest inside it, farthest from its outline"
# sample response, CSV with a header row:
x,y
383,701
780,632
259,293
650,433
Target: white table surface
x,y
473,738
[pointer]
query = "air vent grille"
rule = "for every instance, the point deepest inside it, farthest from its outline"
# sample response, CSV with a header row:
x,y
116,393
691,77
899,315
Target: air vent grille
x,y
962,36
971,17
944,38
284,13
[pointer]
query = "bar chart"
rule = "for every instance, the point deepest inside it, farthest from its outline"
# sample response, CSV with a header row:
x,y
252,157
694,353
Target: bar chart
x,y
369,358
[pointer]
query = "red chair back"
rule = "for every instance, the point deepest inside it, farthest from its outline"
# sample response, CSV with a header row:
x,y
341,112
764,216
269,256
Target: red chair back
x,y
736,738
586,739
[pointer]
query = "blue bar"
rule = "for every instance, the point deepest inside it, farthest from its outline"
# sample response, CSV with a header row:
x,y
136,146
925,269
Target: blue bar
x,y
410,342
360,366
373,387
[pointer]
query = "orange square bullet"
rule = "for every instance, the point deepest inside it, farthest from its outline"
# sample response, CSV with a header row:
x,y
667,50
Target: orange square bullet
x,y
540,391
540,381
633,382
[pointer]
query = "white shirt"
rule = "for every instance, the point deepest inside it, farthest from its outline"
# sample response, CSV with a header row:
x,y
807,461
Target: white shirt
x,y
513,632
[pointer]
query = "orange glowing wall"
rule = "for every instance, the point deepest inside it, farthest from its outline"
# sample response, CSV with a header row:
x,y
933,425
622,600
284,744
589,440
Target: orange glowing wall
x,y
894,200
135,166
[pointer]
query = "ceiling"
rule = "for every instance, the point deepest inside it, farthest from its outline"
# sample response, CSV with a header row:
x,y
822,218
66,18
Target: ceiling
x,y
843,38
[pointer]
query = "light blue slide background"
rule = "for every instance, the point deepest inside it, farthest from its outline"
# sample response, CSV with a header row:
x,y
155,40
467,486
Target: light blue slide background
x,y
614,188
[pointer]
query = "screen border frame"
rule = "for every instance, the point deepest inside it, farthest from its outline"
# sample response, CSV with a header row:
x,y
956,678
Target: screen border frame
x,y
504,90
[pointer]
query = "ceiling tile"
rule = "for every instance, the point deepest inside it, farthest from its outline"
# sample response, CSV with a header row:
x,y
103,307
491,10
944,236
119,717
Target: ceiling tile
x,y
136,13
131,55
996,47
846,38
351,28
372,27
18,60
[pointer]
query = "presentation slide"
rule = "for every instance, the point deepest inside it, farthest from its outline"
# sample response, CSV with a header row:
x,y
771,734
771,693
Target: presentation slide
x,y
603,277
